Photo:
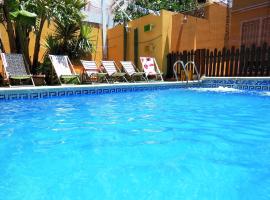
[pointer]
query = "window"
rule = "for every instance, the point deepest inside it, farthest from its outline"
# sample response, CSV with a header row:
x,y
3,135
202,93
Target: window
x,y
256,32
250,32
265,31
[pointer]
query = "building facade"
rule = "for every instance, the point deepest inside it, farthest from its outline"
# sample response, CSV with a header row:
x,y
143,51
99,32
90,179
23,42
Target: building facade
x,y
250,22
158,35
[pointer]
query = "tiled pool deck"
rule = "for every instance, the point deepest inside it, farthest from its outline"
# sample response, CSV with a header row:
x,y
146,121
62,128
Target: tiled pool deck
x,y
250,83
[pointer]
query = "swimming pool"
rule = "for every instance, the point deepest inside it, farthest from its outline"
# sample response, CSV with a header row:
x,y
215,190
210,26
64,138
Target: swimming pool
x,y
167,144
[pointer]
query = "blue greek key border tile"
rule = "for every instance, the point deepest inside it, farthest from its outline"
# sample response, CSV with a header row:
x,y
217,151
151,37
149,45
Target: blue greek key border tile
x,y
260,85
60,92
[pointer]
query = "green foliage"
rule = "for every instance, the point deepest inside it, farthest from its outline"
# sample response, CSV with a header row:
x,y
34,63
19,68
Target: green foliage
x,y
46,69
83,44
68,40
52,45
139,8
24,16
69,11
71,37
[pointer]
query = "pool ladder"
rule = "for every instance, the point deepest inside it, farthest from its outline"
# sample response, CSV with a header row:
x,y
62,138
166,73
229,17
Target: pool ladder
x,y
185,69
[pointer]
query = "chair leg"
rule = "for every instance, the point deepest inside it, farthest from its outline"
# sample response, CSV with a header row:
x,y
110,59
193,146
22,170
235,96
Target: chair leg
x,y
33,81
133,78
161,77
125,79
106,79
145,78
79,81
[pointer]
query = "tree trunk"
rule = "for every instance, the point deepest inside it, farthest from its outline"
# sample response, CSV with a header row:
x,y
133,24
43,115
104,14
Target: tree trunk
x,y
22,34
10,29
37,46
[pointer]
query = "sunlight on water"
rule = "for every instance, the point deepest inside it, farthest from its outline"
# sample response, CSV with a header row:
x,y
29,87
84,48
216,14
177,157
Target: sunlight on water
x,y
217,89
265,93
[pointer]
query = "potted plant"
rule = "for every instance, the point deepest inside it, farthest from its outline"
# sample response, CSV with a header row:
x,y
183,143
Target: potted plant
x,y
39,76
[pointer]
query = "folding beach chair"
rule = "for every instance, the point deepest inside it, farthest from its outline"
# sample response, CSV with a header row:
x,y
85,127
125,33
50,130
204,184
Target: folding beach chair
x,y
150,67
132,71
64,69
113,71
15,68
91,71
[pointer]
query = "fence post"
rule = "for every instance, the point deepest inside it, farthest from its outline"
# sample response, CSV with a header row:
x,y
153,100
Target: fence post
x,y
257,63
188,59
202,61
246,65
251,67
228,53
211,64
264,59
242,60
223,59
236,63
218,63
215,63
232,56
268,63
197,59
207,63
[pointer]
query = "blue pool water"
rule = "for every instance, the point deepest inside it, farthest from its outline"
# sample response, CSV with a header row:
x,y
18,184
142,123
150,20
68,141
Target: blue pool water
x,y
169,144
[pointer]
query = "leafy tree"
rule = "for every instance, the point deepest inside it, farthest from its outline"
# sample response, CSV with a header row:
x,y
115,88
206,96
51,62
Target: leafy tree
x,y
19,22
139,8
6,8
22,17
71,36
65,11
73,44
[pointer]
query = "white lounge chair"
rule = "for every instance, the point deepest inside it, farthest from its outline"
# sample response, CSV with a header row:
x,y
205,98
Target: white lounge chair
x,y
64,69
132,71
91,70
15,68
113,71
150,67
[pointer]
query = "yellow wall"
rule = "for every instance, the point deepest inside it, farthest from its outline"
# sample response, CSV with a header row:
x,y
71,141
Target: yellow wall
x,y
244,12
166,35
149,43
96,37
4,37
116,43
197,33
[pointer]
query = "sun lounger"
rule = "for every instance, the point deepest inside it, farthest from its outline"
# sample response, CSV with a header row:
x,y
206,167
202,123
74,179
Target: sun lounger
x,y
91,71
15,68
150,67
132,72
64,69
113,71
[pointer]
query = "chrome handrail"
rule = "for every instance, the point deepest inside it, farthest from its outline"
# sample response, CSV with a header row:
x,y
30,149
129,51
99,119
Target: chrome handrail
x,y
174,69
184,67
195,67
